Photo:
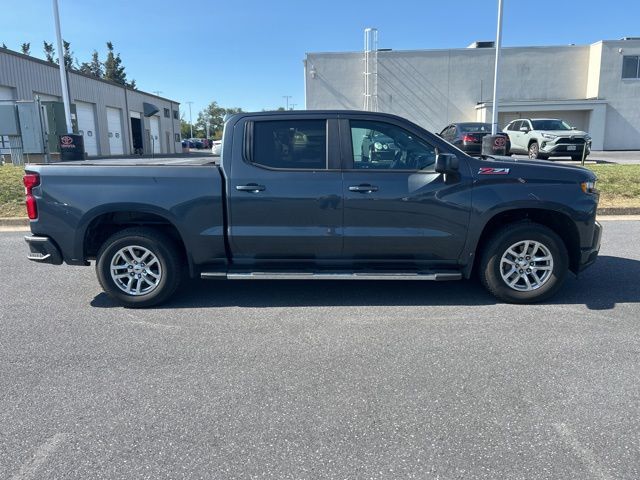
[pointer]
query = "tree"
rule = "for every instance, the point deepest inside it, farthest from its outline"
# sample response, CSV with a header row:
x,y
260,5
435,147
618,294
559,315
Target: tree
x,y
4,45
26,48
113,68
214,115
185,130
49,52
94,67
68,55
132,84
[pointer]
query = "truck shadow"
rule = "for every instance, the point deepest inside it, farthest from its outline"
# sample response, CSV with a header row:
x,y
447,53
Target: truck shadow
x,y
610,281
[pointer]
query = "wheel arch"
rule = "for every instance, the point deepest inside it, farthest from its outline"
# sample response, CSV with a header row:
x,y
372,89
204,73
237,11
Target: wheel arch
x,y
105,223
557,221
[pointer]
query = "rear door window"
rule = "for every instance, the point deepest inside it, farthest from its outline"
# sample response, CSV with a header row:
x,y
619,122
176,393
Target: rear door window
x,y
290,144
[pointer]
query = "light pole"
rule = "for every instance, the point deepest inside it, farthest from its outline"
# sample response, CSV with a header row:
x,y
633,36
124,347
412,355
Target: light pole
x,y
494,112
190,122
287,97
63,73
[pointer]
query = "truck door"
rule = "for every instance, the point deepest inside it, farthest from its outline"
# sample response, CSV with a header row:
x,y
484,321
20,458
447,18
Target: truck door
x,y
397,208
285,190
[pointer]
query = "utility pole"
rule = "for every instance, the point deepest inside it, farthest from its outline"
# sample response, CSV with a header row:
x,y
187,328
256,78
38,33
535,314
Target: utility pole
x,y
63,73
287,97
190,122
494,113
157,92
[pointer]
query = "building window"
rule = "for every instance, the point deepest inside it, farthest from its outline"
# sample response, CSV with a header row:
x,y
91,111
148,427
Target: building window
x,y
166,113
175,115
177,137
631,66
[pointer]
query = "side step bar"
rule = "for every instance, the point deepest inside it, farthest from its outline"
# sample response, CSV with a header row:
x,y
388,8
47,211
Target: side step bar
x,y
432,276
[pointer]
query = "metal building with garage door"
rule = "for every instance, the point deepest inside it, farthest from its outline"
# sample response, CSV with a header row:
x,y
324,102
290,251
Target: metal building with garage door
x,y
115,120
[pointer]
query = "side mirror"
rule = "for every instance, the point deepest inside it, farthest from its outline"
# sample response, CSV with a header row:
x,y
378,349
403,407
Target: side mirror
x,y
524,129
446,163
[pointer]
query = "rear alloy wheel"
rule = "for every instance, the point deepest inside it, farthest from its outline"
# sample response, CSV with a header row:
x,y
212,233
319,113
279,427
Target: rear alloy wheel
x,y
524,263
139,267
534,150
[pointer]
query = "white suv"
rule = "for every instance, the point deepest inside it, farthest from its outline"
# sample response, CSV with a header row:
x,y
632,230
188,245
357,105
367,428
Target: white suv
x,y
547,137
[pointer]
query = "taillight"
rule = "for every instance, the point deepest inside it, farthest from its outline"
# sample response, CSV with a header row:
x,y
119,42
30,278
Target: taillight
x,y
31,180
468,138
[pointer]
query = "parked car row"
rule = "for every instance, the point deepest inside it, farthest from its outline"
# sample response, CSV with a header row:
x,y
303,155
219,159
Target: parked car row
x,y
538,138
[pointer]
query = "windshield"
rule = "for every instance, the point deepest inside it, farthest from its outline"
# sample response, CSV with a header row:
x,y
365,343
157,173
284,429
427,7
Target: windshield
x,y
550,125
474,127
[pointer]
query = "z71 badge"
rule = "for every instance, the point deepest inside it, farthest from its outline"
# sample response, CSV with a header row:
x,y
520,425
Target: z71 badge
x,y
493,171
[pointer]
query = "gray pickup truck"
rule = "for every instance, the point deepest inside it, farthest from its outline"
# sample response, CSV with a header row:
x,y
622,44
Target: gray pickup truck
x,y
294,197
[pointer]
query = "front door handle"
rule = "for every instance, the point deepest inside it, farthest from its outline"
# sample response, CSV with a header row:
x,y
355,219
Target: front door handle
x,y
363,188
250,187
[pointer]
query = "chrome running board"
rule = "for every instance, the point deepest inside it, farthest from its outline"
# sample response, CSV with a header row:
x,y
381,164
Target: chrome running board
x,y
432,276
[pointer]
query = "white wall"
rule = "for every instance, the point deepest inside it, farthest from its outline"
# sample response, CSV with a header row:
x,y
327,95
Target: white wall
x,y
622,128
437,87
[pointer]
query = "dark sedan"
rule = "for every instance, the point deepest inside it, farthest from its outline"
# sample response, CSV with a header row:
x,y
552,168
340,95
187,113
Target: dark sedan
x,y
468,136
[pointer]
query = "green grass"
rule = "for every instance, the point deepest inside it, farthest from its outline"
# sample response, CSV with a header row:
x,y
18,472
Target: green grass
x,y
619,186
12,192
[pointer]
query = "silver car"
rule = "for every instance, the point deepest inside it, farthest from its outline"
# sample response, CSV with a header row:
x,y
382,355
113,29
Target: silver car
x,y
547,137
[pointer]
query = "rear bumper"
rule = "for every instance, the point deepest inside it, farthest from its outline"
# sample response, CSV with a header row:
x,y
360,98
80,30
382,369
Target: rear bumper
x,y
589,255
43,250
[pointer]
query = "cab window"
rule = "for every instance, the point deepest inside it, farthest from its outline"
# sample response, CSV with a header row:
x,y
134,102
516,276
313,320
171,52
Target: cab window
x,y
382,146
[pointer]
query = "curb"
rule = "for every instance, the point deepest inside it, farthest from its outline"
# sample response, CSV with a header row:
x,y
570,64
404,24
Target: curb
x,y
611,211
619,211
14,222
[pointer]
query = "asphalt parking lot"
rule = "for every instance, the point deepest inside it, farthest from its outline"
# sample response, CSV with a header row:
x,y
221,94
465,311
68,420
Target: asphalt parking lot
x,y
321,379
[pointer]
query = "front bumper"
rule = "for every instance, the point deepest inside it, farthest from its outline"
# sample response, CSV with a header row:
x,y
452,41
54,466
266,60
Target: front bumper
x,y
43,250
589,255
564,149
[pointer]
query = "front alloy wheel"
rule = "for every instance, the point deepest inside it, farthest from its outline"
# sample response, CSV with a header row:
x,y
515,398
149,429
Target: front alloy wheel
x,y
524,262
526,265
534,150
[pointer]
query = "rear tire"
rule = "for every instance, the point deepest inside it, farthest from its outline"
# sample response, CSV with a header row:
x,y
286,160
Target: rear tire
x,y
524,262
139,267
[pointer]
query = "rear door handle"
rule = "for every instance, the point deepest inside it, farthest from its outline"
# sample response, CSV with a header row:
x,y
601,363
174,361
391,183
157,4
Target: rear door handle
x,y
363,188
250,187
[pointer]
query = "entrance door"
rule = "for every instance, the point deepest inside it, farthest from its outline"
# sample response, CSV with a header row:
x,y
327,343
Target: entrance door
x,y
86,116
154,123
397,209
285,191
114,125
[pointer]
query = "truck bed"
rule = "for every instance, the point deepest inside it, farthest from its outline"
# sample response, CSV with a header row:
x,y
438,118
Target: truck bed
x,y
156,161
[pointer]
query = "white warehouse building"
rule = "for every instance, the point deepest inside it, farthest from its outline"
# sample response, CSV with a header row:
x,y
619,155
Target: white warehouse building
x,y
594,87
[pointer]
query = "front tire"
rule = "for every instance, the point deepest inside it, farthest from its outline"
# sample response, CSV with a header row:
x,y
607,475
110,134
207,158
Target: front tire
x,y
139,267
524,263
534,150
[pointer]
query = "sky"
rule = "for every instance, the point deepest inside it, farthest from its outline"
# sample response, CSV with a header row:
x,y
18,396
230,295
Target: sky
x,y
249,53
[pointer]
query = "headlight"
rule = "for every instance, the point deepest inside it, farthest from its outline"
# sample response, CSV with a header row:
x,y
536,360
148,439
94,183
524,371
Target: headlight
x,y
549,136
587,138
378,146
589,187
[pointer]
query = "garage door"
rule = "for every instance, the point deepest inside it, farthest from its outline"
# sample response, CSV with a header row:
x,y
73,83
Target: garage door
x,y
87,127
114,126
155,134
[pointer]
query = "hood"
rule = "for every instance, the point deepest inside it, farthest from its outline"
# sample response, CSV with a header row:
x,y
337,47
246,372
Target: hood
x,y
531,169
567,133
